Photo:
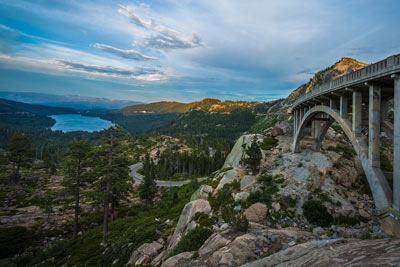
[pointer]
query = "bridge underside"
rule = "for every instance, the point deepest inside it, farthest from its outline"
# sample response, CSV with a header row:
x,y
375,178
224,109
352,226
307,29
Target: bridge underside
x,y
362,112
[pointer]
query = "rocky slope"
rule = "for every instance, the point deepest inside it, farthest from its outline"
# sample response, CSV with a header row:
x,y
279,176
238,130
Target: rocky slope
x,y
278,225
340,68
283,229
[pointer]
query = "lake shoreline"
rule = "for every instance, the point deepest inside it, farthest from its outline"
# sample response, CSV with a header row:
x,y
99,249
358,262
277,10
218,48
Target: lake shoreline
x,y
77,122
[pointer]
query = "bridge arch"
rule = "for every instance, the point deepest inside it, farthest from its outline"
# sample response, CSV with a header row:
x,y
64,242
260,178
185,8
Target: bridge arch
x,y
380,188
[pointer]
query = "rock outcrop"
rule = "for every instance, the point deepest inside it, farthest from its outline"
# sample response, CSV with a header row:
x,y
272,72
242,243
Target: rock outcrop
x,y
236,154
178,260
336,252
256,213
202,192
190,209
144,254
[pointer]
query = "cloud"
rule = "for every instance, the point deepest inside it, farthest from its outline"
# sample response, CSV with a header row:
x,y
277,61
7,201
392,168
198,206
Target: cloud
x,y
8,39
138,73
169,39
165,38
129,12
62,67
129,54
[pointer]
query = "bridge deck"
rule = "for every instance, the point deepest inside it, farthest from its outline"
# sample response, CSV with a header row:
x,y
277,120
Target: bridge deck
x,y
378,70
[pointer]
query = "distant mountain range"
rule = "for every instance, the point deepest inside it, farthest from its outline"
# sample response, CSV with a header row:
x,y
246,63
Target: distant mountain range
x,y
68,101
16,106
208,104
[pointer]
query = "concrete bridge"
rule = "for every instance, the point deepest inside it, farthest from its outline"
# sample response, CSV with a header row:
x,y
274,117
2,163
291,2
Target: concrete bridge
x,y
358,102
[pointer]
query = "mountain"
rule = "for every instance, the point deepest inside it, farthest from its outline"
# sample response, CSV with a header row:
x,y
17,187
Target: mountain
x,y
22,115
69,101
340,68
16,106
208,104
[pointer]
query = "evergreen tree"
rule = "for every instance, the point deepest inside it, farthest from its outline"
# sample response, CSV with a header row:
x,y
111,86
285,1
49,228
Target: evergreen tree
x,y
111,168
20,151
254,156
148,189
49,161
76,177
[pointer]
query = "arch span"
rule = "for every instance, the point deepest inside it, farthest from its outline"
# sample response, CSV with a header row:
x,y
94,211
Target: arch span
x,y
380,188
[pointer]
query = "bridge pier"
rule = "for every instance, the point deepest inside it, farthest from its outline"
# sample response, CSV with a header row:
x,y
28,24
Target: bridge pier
x,y
384,109
374,125
301,115
357,112
396,144
332,104
344,106
313,128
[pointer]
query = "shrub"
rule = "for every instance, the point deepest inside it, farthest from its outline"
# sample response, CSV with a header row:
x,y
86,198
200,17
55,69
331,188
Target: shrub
x,y
193,240
238,222
57,249
14,240
224,196
203,219
300,164
268,143
348,152
345,221
268,189
316,213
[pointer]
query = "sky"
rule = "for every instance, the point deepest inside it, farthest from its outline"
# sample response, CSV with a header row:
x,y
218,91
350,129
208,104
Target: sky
x,y
183,50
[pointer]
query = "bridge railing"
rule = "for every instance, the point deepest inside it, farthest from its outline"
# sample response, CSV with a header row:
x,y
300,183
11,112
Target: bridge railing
x,y
388,64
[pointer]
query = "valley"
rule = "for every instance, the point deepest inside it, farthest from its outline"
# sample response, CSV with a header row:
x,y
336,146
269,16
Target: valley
x,y
304,180
191,193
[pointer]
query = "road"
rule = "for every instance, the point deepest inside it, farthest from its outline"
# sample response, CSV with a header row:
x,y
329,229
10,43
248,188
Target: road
x,y
139,178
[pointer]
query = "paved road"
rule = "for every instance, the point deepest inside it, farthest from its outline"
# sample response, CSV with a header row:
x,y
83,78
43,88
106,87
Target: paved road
x,y
139,178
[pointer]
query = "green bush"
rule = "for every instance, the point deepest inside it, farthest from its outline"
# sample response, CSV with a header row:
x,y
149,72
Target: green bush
x,y
269,186
348,152
239,223
224,196
56,249
268,143
345,221
316,213
193,240
204,220
13,240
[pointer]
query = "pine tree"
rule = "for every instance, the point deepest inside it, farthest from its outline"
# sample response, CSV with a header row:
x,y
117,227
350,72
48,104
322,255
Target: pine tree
x,y
74,165
111,168
148,189
254,156
20,151
49,161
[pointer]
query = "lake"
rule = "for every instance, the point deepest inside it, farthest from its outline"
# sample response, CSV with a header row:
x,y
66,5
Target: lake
x,y
76,122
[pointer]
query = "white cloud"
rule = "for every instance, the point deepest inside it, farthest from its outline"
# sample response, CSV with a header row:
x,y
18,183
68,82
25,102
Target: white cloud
x,y
130,13
129,53
164,38
65,68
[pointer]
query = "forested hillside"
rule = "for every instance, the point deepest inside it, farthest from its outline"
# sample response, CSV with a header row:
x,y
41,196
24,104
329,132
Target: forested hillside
x,y
213,127
207,104
35,108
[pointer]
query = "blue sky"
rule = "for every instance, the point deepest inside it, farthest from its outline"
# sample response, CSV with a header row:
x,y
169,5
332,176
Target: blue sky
x,y
186,50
